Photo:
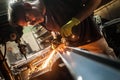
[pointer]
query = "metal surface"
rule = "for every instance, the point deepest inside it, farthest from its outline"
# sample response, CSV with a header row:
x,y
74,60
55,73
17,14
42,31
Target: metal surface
x,y
111,22
84,65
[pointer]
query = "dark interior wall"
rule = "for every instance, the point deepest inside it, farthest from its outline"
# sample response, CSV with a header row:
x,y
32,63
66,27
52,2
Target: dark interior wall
x,y
105,2
110,10
3,6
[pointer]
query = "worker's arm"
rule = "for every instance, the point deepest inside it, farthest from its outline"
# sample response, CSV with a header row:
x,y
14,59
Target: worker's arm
x,y
87,10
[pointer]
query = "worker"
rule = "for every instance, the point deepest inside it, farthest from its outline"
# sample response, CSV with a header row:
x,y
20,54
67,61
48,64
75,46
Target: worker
x,y
71,18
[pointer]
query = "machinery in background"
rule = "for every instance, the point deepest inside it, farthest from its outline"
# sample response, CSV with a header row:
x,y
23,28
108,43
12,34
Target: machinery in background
x,y
33,65
42,36
111,32
110,29
8,33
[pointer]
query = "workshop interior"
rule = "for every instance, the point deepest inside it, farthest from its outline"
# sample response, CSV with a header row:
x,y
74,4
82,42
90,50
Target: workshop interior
x,y
30,57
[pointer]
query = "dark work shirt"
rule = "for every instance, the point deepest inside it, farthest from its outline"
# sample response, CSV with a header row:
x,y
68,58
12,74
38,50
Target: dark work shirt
x,y
59,12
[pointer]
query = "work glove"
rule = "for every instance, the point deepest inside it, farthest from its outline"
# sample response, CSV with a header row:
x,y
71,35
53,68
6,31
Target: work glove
x,y
66,30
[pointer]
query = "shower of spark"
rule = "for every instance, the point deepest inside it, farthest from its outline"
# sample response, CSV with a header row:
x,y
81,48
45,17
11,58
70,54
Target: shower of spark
x,y
48,60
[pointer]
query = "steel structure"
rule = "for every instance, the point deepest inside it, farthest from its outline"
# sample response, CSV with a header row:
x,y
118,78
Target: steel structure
x,y
85,65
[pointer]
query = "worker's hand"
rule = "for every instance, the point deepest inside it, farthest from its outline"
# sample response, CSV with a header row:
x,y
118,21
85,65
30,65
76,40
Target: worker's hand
x,y
66,30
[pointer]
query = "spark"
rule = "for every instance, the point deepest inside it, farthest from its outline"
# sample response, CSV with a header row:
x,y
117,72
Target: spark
x,y
48,60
